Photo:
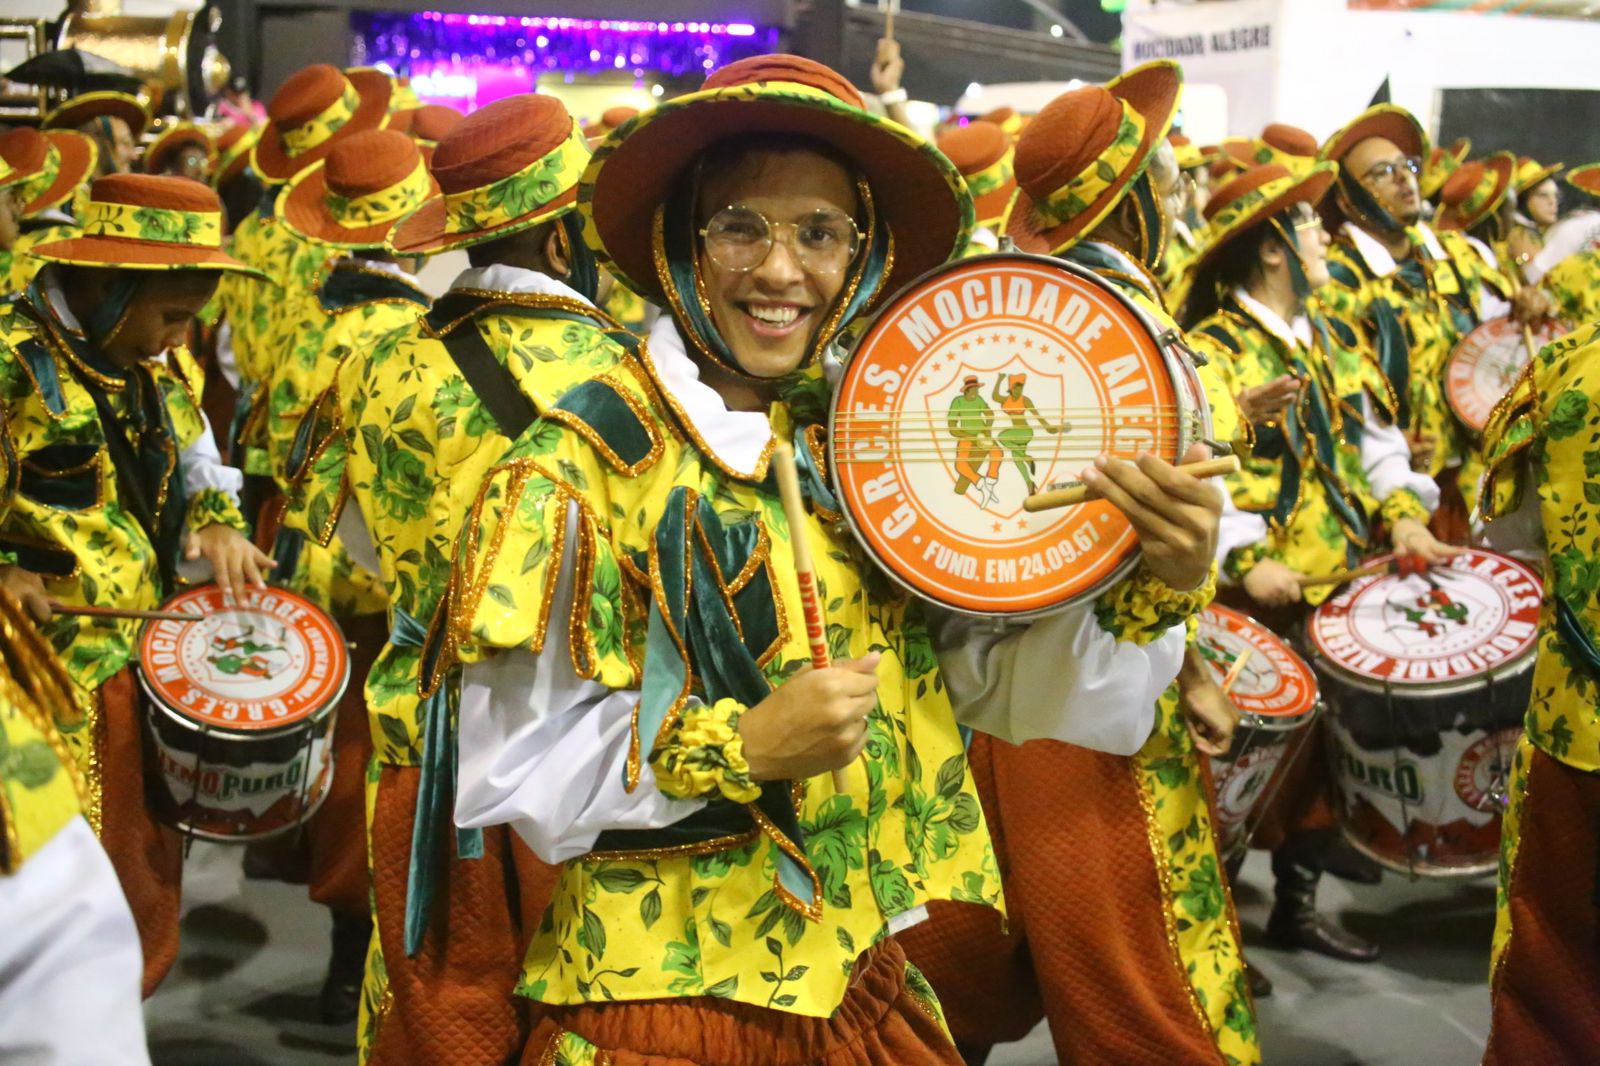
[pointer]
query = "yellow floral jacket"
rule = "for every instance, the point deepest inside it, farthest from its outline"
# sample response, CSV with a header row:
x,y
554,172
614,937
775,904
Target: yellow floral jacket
x,y
62,514
1544,439
40,788
1305,478
1574,285
356,307
20,267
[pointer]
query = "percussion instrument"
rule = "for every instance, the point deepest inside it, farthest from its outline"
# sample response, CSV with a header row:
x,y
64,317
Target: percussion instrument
x,y
1485,364
242,713
1277,697
1427,678
979,384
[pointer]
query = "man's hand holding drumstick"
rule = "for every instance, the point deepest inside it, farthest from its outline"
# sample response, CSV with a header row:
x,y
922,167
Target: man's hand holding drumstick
x,y
1174,513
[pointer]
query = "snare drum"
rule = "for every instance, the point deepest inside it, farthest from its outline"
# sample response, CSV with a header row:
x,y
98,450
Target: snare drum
x,y
1276,694
1427,679
1485,364
984,381
242,713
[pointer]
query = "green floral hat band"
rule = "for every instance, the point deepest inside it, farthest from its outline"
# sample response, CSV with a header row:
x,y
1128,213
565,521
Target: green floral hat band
x,y
517,195
1074,198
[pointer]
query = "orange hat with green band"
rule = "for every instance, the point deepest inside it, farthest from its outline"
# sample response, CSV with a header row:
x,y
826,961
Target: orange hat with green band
x,y
85,108
233,153
1254,197
1192,156
56,162
1475,191
1585,178
1288,146
985,156
504,168
148,222
354,199
426,125
1079,156
175,139
1389,121
1440,164
316,109
1530,173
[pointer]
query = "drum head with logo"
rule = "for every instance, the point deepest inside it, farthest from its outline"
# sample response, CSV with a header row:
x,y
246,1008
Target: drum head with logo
x,y
1485,365
1437,632
983,382
271,661
1273,683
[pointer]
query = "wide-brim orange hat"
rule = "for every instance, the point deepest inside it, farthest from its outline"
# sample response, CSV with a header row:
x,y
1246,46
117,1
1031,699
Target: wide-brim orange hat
x,y
1475,191
1393,123
985,155
1441,163
148,222
1288,146
233,153
1585,178
85,108
354,198
1254,197
508,166
1079,155
919,195
1192,156
316,109
1530,172
427,125
173,140
57,162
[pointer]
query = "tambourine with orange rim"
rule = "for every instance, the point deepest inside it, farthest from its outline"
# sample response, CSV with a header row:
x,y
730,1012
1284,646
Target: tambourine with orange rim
x,y
983,382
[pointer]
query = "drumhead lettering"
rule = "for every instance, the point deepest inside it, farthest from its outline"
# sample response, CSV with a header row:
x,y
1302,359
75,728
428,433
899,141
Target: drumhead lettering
x,y
991,380
1274,681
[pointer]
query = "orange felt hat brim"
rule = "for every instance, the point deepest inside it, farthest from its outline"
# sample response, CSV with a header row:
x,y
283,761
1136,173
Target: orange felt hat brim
x,y
423,231
127,254
79,156
1152,90
1310,189
304,209
90,106
1503,165
273,161
1393,124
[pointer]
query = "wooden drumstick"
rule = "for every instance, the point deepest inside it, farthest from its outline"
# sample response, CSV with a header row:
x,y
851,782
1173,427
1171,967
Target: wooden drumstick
x,y
1339,577
1077,492
1237,668
794,509
112,612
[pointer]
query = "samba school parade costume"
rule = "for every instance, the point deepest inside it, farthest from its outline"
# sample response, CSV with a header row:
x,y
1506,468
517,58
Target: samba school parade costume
x,y
56,163
624,601
117,468
1539,446
406,434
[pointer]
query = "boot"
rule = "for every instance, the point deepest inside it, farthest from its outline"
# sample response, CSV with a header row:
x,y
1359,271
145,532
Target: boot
x,y
1295,923
341,990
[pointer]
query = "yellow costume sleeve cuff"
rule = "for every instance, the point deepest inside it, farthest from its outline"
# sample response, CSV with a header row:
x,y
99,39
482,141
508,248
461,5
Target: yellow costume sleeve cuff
x,y
1143,607
704,755
211,506
1242,560
1403,503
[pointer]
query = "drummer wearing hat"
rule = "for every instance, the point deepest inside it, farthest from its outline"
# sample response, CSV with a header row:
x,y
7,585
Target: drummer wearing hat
x,y
119,480
1100,913
398,445
114,120
1328,466
183,149
720,901
56,163
985,155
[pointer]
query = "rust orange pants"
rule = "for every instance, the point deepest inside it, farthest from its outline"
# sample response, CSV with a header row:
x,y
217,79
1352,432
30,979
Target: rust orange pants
x,y
1086,946
453,1004
880,1023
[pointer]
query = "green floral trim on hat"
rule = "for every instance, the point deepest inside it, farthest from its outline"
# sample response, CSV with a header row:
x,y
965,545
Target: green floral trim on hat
x,y
33,188
994,176
1481,199
317,129
386,205
522,195
1074,198
155,224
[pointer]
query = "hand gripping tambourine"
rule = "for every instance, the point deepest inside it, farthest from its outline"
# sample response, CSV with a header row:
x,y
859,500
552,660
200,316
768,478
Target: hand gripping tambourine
x,y
982,383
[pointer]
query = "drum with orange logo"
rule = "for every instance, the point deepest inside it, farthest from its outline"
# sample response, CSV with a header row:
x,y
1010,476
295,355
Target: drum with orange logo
x,y
1277,697
1485,364
243,710
983,382
1427,678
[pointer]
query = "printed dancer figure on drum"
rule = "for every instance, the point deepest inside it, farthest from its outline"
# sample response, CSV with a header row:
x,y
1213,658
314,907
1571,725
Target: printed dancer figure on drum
x,y
971,423
1328,464
638,700
118,481
1546,951
1090,893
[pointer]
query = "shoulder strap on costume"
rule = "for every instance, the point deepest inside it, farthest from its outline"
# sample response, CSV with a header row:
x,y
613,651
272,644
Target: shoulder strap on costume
x,y
1217,332
491,380
347,286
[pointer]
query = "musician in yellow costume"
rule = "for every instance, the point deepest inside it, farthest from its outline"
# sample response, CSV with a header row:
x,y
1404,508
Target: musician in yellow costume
x,y
636,701
1541,445
391,456
1411,291
57,164
1572,281
1328,470
71,950
119,480
347,204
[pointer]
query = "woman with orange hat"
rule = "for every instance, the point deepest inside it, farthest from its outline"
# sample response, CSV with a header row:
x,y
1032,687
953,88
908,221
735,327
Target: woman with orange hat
x,y
119,481
634,700
183,149
1121,929
389,458
57,164
114,120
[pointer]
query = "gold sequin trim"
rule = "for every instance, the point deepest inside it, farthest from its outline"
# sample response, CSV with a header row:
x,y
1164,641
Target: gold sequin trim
x,y
675,851
811,909
540,301
598,443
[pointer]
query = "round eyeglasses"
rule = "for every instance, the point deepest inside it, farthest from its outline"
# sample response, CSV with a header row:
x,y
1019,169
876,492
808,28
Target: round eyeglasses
x,y
740,239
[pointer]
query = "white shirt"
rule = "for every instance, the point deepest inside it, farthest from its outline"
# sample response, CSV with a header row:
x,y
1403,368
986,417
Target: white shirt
x,y
1573,234
543,750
